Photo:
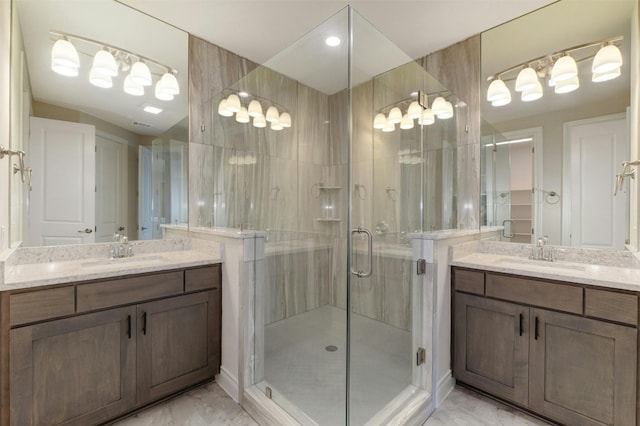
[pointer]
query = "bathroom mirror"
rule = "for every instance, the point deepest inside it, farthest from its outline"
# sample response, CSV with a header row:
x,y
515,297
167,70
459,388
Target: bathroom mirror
x,y
138,172
549,165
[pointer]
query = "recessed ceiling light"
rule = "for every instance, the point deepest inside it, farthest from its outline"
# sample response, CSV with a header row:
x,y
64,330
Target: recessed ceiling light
x,y
153,110
243,94
332,41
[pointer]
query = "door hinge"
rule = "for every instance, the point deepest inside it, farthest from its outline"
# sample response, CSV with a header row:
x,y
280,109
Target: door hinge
x,y
421,356
421,267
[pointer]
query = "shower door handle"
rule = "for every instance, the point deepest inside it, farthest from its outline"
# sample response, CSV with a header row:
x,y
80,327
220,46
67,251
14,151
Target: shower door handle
x,y
362,274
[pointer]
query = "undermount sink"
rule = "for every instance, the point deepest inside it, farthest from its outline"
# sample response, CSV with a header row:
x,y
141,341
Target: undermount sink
x,y
124,261
557,266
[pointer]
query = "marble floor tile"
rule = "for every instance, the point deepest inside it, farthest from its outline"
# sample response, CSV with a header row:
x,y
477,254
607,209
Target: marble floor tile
x,y
464,407
205,406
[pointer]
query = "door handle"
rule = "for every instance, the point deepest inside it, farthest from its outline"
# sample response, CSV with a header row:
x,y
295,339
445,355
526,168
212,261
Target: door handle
x,y
521,324
504,227
144,323
86,231
362,274
129,326
143,228
537,327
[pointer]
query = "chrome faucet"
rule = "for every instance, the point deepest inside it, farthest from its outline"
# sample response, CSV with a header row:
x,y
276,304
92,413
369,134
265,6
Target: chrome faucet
x,y
542,250
121,247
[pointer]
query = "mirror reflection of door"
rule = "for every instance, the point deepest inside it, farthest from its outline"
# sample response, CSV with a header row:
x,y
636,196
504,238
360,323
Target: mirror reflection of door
x,y
111,180
144,193
594,149
63,196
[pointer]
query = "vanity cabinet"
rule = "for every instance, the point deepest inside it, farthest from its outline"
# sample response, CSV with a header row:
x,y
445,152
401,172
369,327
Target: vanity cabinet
x,y
90,367
549,347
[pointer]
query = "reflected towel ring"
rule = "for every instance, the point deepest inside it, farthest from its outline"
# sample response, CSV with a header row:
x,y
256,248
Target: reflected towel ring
x,y
551,197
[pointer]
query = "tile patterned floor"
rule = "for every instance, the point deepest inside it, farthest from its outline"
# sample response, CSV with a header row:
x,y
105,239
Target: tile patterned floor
x,y
211,406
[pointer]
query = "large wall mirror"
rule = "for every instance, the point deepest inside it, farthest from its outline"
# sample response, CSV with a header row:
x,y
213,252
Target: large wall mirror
x,y
99,159
551,152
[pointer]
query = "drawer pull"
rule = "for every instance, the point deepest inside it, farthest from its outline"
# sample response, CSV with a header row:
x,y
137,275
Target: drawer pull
x,y
129,326
144,323
521,323
537,332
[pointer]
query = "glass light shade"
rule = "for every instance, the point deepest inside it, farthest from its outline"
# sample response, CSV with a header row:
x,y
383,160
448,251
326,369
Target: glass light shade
x,y
566,86
502,101
379,121
162,94
395,115
426,118
170,84
438,106
259,121
415,110
608,58
100,80
223,110
388,126
565,68
285,120
407,122
527,79
272,115
140,74
104,63
276,126
233,103
497,90
64,58
131,87
532,94
448,111
255,109
242,116
599,77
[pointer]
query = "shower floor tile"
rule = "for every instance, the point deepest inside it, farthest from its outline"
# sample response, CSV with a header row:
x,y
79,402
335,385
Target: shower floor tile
x,y
299,366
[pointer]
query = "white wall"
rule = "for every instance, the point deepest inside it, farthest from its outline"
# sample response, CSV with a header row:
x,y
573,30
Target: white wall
x,y
5,85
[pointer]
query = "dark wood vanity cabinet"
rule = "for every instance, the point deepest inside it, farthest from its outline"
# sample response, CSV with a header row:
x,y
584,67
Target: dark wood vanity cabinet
x,y
92,367
548,347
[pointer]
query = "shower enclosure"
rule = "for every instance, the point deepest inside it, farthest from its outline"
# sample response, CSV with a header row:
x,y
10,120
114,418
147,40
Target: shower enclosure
x,y
340,319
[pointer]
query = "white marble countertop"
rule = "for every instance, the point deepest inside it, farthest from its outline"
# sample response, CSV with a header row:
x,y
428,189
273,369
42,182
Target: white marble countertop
x,y
29,275
583,273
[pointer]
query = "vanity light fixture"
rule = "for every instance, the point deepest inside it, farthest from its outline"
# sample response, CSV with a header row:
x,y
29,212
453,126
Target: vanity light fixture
x,y
232,105
108,61
559,69
420,110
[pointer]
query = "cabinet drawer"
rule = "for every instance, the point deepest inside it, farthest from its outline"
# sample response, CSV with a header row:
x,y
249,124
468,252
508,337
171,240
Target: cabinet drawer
x,y
538,293
202,278
612,306
124,291
41,305
469,281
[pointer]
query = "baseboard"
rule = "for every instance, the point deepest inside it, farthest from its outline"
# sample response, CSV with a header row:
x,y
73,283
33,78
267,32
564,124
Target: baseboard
x,y
445,386
264,411
228,383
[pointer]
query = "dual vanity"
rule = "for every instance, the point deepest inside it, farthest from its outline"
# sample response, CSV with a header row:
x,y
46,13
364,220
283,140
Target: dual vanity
x,y
85,340
558,339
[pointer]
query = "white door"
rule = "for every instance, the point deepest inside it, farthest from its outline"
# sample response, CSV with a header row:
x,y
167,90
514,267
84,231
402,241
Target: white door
x,y
111,184
592,216
144,193
62,207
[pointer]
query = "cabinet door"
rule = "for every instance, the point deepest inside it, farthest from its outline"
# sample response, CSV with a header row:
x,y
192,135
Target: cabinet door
x,y
583,371
178,343
74,371
492,346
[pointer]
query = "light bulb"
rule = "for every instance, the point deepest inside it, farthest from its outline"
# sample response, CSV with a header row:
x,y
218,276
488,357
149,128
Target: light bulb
x,y
140,74
233,103
565,68
497,90
415,110
532,94
64,58
526,80
566,86
170,84
276,126
104,63
161,93
131,87
272,115
285,120
605,76
222,109
608,58
447,111
259,121
395,115
407,122
426,118
255,109
242,116
379,121
388,126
